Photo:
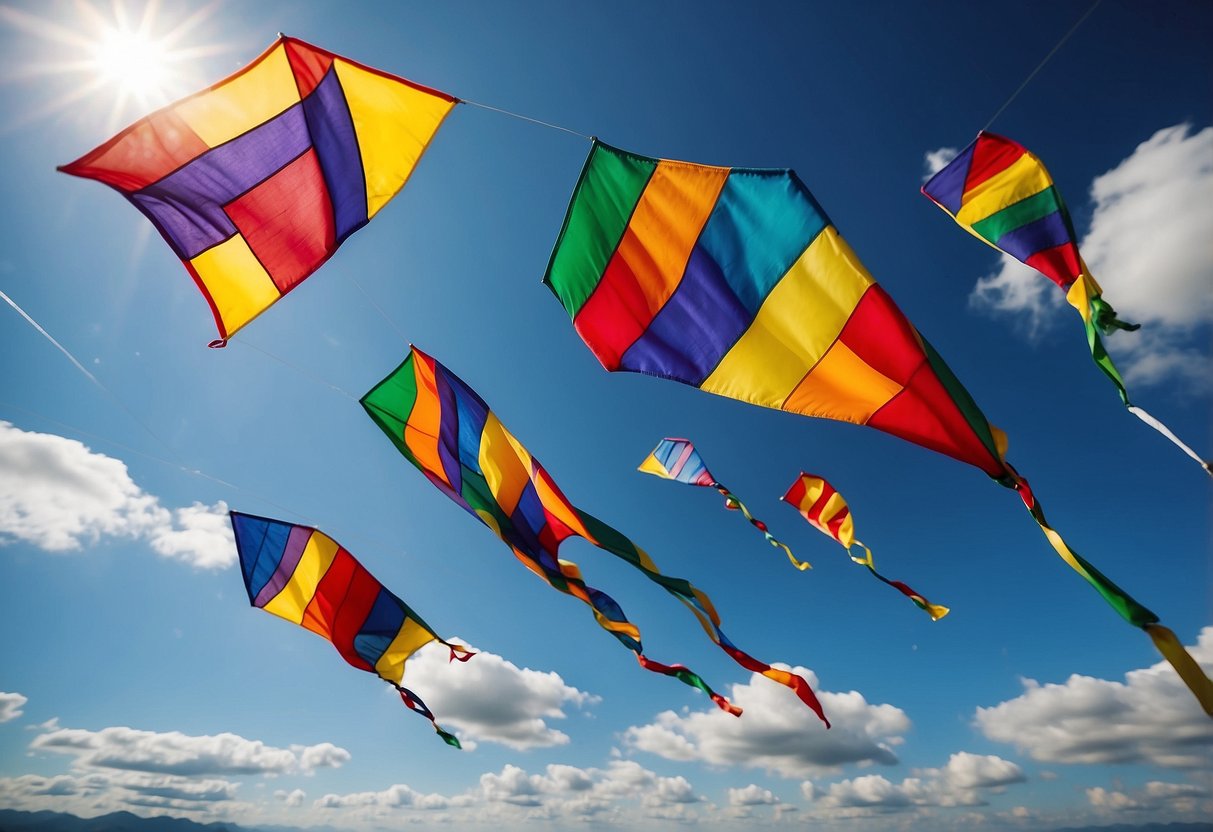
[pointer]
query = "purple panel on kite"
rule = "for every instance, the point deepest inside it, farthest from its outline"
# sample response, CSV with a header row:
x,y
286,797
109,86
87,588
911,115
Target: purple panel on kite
x,y
1047,232
693,331
336,143
948,186
187,205
295,544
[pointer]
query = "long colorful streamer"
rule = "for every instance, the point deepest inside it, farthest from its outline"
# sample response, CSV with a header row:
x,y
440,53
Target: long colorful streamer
x,y
448,432
678,460
304,576
828,512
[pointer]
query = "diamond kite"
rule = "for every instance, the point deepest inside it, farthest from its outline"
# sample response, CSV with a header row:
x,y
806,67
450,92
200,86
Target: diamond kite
x,y
256,181
303,575
449,433
1002,194
734,281
828,512
677,459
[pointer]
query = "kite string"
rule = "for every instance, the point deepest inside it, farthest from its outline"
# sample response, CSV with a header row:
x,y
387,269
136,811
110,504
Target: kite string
x,y
1041,65
526,118
383,313
41,330
310,376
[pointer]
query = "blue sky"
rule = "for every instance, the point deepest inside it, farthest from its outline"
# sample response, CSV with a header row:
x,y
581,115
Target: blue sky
x,y
133,674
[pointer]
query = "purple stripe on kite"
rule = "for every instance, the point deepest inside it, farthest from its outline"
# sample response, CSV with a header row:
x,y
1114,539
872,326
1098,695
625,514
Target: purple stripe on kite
x,y
472,416
947,187
295,545
448,432
1049,231
693,331
530,509
336,143
187,205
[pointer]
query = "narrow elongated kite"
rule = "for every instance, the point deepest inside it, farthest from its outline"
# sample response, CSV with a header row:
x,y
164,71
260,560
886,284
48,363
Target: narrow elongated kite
x,y
734,281
828,512
256,181
449,433
1003,195
678,460
303,575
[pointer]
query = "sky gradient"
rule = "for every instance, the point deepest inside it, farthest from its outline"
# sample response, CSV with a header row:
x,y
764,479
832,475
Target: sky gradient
x,y
135,676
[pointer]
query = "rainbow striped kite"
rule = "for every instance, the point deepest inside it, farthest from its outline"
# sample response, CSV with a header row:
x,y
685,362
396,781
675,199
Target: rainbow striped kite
x,y
447,431
733,280
828,512
256,181
1002,194
304,576
677,459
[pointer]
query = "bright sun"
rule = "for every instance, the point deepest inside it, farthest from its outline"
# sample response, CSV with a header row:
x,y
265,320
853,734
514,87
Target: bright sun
x,y
133,61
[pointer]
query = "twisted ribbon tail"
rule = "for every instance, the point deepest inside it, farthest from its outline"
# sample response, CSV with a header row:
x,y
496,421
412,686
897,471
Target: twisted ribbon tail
x,y
1098,315
733,504
1128,608
790,680
688,677
936,611
459,653
413,702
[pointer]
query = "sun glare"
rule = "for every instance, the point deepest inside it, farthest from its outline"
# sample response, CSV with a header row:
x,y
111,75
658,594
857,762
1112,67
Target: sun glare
x,y
132,61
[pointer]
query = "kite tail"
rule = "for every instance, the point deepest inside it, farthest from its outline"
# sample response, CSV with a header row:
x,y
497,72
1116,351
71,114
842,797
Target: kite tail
x,y
936,611
790,680
1099,316
458,652
414,704
1137,615
733,504
688,677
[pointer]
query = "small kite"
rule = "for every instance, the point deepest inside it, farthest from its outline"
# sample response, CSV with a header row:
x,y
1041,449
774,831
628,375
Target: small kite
x,y
303,575
828,512
447,431
256,181
734,281
677,459
1003,195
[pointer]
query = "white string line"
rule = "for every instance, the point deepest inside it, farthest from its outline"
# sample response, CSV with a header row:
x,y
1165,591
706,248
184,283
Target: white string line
x,y
526,118
1041,65
308,374
378,308
42,331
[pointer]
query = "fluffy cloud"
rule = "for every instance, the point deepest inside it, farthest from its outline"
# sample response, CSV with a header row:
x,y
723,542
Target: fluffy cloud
x,y
1148,247
95,792
1178,798
1149,718
175,753
490,699
294,798
752,795
58,495
777,732
962,782
933,161
10,705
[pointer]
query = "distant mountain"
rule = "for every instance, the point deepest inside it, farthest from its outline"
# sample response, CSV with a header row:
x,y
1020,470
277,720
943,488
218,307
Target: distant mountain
x,y
1142,827
13,821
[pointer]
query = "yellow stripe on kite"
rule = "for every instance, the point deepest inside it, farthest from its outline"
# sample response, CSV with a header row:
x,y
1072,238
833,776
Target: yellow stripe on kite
x,y
411,637
317,557
394,123
799,320
236,282
506,474
1022,179
236,106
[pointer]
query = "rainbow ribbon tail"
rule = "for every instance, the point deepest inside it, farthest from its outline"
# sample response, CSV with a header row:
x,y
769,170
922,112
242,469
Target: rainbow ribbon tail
x,y
688,677
733,504
936,611
789,680
1129,609
413,702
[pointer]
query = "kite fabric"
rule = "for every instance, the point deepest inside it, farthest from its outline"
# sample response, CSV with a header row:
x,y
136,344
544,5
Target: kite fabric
x,y
1002,194
449,433
678,460
828,512
303,575
734,281
256,181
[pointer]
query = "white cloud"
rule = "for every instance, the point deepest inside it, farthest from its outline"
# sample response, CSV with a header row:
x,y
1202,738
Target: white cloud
x,y
492,700
10,705
778,733
175,753
58,495
1176,798
1148,247
1151,717
933,161
294,798
962,782
752,795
